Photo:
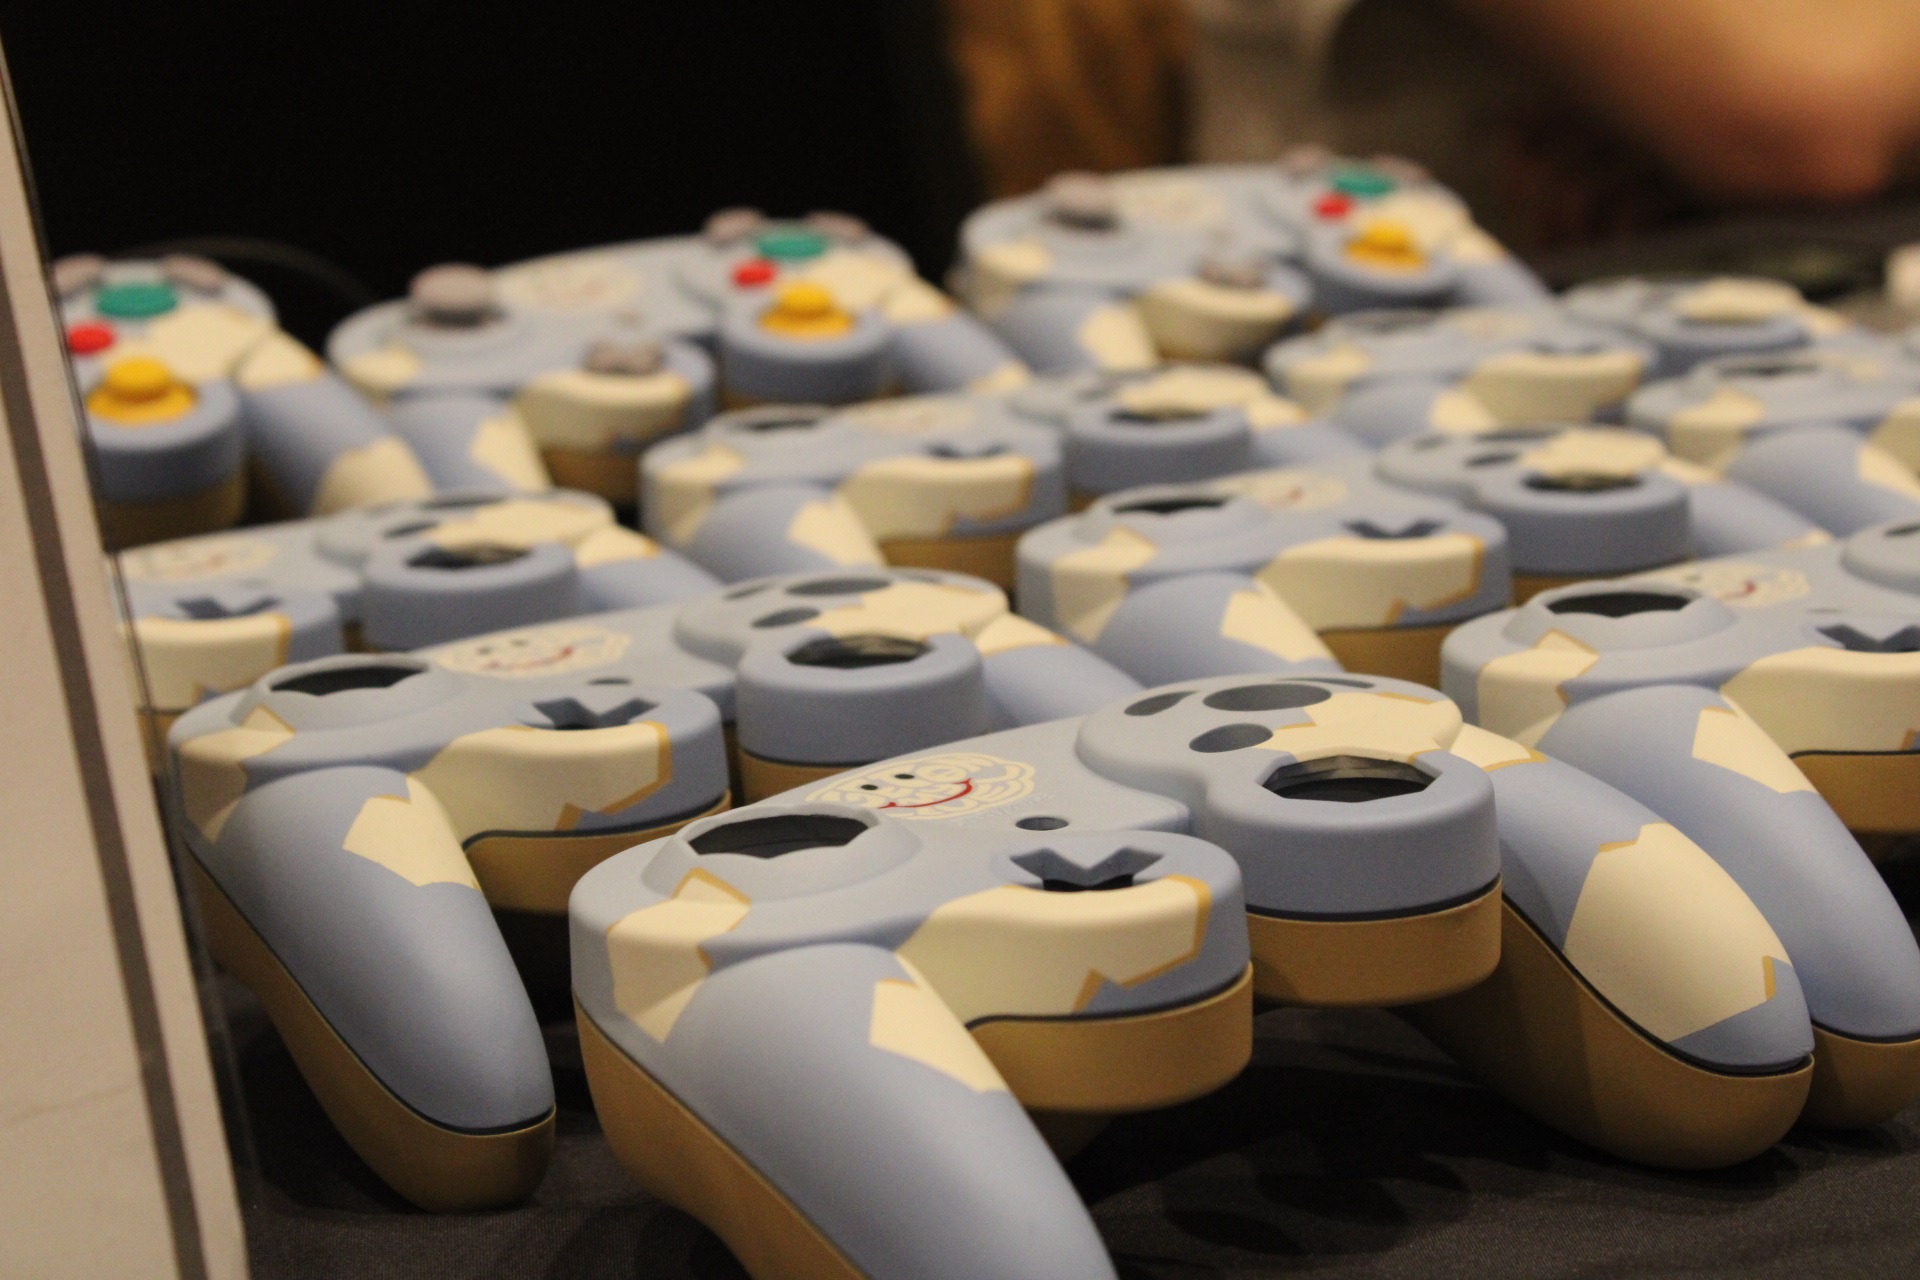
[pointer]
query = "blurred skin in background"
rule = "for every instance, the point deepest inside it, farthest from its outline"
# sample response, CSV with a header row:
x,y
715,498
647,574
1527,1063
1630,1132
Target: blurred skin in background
x,y
1562,120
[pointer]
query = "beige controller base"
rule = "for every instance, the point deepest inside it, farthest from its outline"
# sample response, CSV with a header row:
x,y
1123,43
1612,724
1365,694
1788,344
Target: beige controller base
x,y
436,1168
1371,963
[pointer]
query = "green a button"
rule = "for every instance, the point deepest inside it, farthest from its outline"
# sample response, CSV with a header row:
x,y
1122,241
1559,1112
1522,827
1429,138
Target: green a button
x,y
135,300
790,244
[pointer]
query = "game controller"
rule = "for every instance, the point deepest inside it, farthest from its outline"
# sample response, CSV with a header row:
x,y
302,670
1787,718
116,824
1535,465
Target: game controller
x,y
1720,406
1691,319
605,350
1820,645
1581,502
1764,704
352,820
1050,919
1172,423
1387,375
1374,573
213,614
943,482
186,378
1214,262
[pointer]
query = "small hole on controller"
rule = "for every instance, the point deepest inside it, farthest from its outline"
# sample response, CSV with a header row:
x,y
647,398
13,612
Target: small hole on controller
x,y
1620,604
1582,482
1172,506
776,836
481,555
319,684
1346,780
1042,823
847,653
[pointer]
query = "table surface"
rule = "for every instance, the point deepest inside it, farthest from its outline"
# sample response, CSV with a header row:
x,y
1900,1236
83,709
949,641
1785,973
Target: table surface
x,y
1351,1146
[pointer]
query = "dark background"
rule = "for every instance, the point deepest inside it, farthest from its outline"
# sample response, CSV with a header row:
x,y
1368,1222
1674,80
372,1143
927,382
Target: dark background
x,y
329,151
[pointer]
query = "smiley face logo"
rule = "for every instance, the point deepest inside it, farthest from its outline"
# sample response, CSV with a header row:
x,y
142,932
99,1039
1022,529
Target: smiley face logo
x,y
1743,586
1287,490
942,786
535,652
197,558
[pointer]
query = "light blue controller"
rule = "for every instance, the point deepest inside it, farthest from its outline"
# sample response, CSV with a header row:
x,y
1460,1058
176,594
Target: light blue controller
x,y
1388,375
963,949
1765,704
938,481
187,380
603,351
213,614
353,819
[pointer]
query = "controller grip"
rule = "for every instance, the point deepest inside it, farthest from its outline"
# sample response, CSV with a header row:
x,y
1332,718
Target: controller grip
x,y
1209,624
1033,675
1314,440
878,1140
470,443
1503,282
621,569
1831,476
788,528
1380,413
1068,330
1700,762
948,352
1732,519
319,447
1642,1001
343,899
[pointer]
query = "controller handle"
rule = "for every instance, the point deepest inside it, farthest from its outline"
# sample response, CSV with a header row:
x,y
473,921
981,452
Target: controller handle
x,y
470,443
1829,475
1064,330
320,447
1642,1002
343,899
787,528
878,1141
1702,763
1208,624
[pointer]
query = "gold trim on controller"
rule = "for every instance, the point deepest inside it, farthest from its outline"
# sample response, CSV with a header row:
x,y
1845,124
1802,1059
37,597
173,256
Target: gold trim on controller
x,y
1397,960
983,555
674,1155
1858,1084
760,777
1402,653
1130,1063
537,872
134,524
437,1168
1540,1035
1877,792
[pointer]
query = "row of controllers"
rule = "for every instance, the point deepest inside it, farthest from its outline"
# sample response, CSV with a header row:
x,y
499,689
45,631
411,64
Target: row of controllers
x,y
1832,430
990,885
1379,553
574,361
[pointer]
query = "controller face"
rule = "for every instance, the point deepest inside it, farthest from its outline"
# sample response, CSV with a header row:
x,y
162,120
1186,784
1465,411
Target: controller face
x,y
1688,320
1582,502
936,481
189,384
1819,645
1045,918
1386,375
1233,573
353,819
1214,262
215,613
1721,406
605,350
